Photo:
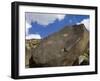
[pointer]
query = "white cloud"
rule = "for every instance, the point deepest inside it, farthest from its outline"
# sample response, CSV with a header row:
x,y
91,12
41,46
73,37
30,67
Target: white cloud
x,y
86,22
27,27
60,17
33,36
42,19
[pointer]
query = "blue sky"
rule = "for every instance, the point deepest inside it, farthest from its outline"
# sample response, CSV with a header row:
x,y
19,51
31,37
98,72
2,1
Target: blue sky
x,y
41,25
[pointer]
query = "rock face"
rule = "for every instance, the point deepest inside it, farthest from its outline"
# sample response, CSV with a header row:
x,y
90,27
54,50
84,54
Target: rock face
x,y
61,48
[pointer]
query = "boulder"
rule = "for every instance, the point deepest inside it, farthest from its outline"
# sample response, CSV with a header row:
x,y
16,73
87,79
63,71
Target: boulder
x,y
61,48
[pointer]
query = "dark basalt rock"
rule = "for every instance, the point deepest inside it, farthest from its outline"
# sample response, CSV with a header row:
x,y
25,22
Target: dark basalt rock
x,y
61,48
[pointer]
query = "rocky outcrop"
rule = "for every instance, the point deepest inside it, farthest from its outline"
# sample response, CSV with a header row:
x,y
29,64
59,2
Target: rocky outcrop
x,y
61,48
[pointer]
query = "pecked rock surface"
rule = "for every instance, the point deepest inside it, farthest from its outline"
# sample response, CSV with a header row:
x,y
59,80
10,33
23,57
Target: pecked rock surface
x,y
61,48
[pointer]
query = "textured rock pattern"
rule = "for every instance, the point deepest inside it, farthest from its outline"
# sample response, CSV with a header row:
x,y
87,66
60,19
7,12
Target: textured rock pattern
x,y
61,48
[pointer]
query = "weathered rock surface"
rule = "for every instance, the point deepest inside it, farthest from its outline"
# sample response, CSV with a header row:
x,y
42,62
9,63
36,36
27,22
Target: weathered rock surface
x,y
61,48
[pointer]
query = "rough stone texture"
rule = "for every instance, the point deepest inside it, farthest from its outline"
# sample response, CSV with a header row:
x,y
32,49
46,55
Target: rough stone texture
x,y
61,48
